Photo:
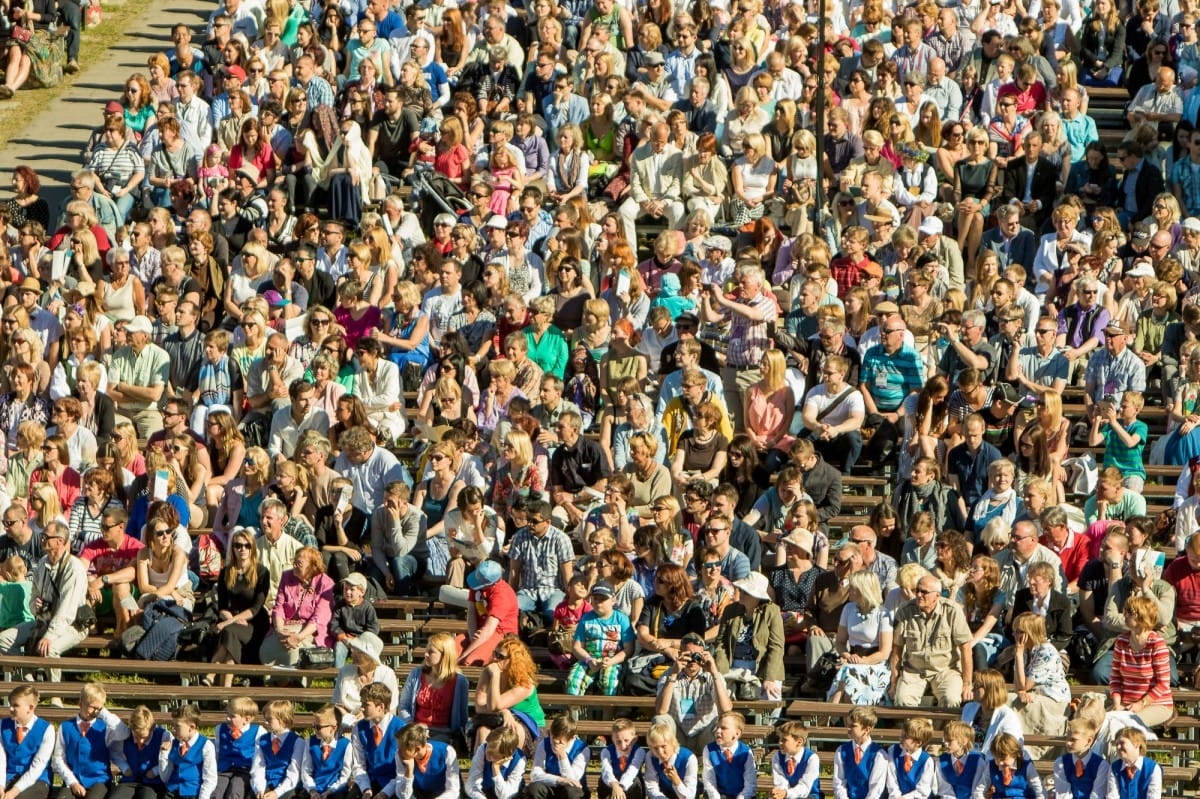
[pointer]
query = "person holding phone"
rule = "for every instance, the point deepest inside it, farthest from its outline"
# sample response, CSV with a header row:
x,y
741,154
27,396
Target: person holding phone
x,y
692,694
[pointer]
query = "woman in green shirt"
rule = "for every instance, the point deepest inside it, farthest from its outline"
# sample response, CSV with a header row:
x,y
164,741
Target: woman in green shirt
x,y
507,694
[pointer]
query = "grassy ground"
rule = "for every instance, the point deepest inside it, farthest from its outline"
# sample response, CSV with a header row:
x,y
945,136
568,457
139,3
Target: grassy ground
x,y
24,107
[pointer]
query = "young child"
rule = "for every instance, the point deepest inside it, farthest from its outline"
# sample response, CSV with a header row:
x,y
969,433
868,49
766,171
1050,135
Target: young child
x,y
621,764
911,770
427,769
16,603
1011,774
352,617
671,770
1133,775
89,745
1079,774
28,744
329,767
603,642
560,763
729,767
278,756
236,739
1124,437
188,764
497,767
219,381
142,749
212,176
795,769
959,769
565,619
860,767
375,744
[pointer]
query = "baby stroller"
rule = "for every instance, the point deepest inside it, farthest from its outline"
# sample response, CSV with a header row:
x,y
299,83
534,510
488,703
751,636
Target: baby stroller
x,y
435,194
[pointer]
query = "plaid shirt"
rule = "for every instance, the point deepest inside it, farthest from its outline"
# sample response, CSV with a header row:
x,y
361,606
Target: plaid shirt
x,y
699,696
748,340
541,560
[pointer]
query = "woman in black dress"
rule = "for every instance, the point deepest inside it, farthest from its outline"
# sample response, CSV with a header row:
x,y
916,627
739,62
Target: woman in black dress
x,y
241,599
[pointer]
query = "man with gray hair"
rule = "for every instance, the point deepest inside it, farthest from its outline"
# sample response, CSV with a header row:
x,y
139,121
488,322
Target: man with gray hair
x,y
931,650
656,183
968,349
84,184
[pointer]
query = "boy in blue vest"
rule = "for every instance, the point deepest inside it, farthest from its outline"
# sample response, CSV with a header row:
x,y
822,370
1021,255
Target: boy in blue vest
x,y
329,767
88,746
672,771
729,771
28,743
860,767
140,778
959,769
1080,773
795,769
1011,774
278,755
236,740
188,764
375,744
560,763
1133,775
428,769
621,764
497,767
911,770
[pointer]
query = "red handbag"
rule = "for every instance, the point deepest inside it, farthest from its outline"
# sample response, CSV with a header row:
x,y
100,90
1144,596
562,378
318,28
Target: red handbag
x,y
21,34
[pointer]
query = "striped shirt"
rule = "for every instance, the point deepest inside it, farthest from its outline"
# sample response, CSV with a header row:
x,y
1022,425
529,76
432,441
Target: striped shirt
x,y
748,340
1144,675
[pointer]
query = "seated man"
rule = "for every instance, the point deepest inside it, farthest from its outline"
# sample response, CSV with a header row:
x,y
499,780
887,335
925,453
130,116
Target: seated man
x,y
60,586
1040,596
656,183
931,649
267,382
112,574
138,377
541,561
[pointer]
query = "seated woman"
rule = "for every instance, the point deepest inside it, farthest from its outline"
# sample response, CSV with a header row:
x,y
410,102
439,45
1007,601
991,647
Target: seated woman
x,y
666,618
864,643
365,667
243,496
753,661
1039,678
435,693
507,695
990,715
1141,674
303,609
983,602
241,601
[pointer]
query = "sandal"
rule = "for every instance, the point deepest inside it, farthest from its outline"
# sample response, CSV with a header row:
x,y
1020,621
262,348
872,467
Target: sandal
x,y
5,93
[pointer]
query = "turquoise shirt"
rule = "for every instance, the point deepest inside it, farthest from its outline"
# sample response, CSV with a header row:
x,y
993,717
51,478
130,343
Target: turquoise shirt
x,y
1127,459
550,353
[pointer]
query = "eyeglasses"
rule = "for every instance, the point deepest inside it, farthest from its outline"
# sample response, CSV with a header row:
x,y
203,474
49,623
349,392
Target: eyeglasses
x,y
241,545
163,533
927,591
1046,331
712,530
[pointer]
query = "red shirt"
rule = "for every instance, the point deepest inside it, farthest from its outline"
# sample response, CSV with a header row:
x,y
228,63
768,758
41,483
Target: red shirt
x,y
498,600
105,560
847,273
1029,101
1074,555
1187,589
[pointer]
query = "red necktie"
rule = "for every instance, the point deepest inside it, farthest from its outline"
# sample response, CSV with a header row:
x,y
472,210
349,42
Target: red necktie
x,y
1078,767
275,746
1129,772
728,756
423,762
907,763
857,755
84,726
958,767
1008,775
622,762
21,731
183,748
378,735
237,733
326,750
791,766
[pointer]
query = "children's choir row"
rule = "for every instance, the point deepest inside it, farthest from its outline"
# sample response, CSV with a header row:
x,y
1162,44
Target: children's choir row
x,y
95,755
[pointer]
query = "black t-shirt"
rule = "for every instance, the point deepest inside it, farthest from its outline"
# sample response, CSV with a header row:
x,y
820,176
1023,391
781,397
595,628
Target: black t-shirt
x,y
690,619
1094,578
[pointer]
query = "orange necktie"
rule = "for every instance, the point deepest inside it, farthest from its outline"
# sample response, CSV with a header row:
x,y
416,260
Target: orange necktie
x,y
1078,767
791,766
326,750
857,755
84,726
183,748
1129,772
423,762
378,735
622,762
237,733
958,767
728,756
275,746
1008,775
907,763
21,731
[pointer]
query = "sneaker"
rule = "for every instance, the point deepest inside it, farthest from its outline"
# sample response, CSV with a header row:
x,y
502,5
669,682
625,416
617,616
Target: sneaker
x,y
72,67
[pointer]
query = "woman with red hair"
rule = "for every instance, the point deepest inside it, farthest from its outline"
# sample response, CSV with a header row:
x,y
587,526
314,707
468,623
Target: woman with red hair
x,y
26,205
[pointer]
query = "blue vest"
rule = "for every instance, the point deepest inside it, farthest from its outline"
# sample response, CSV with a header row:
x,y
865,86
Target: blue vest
x,y
144,760
857,775
517,761
907,780
430,781
730,776
381,760
1081,787
961,783
326,771
20,756
275,766
187,771
554,767
681,761
1136,787
86,755
614,757
797,774
1018,788
235,755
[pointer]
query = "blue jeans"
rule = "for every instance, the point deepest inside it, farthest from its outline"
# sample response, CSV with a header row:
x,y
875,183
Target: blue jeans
x,y
405,570
544,603
125,204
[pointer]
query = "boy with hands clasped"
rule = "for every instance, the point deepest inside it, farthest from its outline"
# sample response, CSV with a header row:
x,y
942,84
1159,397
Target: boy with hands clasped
x,y
795,769
278,756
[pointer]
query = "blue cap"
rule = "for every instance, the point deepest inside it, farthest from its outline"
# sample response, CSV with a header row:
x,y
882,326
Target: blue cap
x,y
485,574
